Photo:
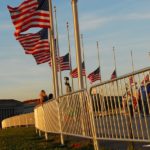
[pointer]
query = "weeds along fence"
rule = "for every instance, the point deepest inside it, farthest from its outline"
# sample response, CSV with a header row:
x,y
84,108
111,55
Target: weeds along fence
x,y
117,110
19,120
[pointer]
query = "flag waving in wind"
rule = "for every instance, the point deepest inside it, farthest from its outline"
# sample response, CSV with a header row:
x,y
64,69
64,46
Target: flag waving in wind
x,y
34,43
64,62
74,73
95,75
42,57
31,13
28,41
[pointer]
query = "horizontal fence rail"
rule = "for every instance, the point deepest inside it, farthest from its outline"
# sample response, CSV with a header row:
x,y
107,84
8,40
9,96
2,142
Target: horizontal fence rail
x,y
121,107
19,120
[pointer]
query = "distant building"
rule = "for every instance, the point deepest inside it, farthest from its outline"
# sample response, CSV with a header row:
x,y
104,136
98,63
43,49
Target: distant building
x,y
11,107
28,105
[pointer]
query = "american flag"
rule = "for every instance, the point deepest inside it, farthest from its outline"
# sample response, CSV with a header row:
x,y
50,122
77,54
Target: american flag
x,y
42,57
74,73
64,62
95,75
30,13
28,41
57,63
113,75
34,43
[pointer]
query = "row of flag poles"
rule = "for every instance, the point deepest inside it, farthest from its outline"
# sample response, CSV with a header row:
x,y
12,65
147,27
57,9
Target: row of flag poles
x,y
44,45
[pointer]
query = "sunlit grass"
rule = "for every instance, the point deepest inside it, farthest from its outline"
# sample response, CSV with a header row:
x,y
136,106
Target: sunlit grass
x,y
27,139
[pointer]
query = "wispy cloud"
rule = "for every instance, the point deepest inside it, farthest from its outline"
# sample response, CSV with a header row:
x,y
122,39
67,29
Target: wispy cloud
x,y
138,16
94,20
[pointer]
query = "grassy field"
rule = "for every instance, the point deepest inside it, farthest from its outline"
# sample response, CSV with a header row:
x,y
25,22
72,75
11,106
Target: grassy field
x,y
26,139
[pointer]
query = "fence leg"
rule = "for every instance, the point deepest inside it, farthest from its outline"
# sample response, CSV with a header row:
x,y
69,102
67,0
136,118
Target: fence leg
x,y
61,135
95,141
81,116
40,133
46,136
36,130
62,139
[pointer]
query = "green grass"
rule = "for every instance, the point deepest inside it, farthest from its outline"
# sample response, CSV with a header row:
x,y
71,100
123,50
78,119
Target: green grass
x,y
26,139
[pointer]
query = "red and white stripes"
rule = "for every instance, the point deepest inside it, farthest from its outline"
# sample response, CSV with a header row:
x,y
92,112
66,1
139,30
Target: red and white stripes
x,y
29,15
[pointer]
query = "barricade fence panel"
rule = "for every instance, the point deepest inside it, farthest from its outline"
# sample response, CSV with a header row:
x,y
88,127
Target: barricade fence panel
x,y
47,117
19,120
74,114
36,118
68,114
51,116
122,107
40,118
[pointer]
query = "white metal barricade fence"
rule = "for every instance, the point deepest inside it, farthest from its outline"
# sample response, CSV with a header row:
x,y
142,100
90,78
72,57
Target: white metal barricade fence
x,y
19,120
46,117
75,115
68,115
117,110
122,107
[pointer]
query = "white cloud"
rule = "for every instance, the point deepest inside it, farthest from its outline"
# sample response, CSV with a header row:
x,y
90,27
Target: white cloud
x,y
138,16
95,20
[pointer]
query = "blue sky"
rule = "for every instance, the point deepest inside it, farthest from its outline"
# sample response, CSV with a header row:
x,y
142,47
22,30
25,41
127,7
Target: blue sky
x,y
124,24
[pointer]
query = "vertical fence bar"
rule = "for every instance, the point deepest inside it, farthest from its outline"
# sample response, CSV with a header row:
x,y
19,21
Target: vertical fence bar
x,y
92,121
60,126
